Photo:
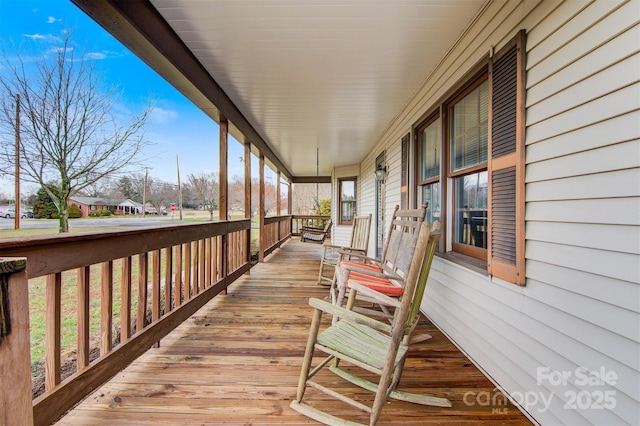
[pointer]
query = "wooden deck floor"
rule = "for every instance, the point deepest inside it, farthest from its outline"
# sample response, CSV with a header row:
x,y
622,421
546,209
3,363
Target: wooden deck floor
x,y
238,359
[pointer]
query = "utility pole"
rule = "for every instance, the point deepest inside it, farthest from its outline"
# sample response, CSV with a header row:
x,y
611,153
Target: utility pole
x,y
16,219
179,187
144,192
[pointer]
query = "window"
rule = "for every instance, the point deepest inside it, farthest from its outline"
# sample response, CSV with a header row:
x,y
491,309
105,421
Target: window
x,y
468,117
479,139
347,200
429,142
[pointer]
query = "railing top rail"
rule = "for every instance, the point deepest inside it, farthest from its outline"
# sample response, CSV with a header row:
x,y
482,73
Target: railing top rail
x,y
311,216
51,254
273,219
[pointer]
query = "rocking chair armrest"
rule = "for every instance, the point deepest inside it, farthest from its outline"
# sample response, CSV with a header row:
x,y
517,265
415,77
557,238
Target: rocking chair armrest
x,y
365,271
368,260
346,314
349,251
383,299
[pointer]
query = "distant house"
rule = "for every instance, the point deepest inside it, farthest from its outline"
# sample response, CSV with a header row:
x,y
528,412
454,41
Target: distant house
x,y
128,207
118,206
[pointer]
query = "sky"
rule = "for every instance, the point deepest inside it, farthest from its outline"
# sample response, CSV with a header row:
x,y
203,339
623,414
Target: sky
x,y
176,127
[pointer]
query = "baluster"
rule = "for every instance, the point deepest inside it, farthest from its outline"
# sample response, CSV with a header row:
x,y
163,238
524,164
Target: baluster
x,y
177,273
196,273
168,264
207,255
202,266
187,272
83,284
155,287
143,280
231,262
125,303
52,330
214,259
106,308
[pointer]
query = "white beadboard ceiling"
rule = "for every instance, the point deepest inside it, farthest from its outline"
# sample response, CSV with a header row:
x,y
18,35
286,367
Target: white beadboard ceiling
x,y
331,74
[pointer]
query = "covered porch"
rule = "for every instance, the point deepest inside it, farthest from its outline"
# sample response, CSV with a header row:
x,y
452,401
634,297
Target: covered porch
x,y
237,361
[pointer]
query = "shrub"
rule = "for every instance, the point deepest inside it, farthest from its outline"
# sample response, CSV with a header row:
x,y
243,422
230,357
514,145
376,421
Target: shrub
x,y
74,212
43,206
99,213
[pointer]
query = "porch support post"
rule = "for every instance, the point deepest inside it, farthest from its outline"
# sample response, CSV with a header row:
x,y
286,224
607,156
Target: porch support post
x,y
261,209
224,161
247,194
290,198
15,347
278,203
222,193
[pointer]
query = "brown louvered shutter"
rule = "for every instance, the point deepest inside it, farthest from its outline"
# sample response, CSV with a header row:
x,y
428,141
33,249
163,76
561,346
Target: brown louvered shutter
x,y
404,177
506,162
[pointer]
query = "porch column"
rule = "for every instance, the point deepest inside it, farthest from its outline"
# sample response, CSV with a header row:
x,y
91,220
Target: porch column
x,y
278,203
224,161
222,193
15,347
247,195
261,208
290,200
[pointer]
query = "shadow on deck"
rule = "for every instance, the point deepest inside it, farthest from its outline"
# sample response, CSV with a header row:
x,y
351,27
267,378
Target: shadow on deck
x,y
237,361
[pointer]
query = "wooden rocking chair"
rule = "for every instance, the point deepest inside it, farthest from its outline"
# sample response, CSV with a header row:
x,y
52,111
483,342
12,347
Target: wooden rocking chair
x,y
332,254
316,234
375,346
394,264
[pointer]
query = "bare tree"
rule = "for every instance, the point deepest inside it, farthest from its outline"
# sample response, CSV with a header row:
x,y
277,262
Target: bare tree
x,y
204,187
307,196
159,193
69,133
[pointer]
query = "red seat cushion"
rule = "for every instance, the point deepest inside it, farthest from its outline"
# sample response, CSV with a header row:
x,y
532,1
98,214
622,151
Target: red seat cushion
x,y
367,266
382,285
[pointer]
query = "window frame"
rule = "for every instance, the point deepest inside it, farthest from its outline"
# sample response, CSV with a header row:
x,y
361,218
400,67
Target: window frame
x,y
473,83
341,202
421,183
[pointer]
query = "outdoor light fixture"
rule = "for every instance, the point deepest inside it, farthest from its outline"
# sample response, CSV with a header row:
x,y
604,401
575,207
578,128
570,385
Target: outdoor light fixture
x,y
381,173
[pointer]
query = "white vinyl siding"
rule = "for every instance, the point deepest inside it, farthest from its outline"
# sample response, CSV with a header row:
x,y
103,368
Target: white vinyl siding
x,y
580,306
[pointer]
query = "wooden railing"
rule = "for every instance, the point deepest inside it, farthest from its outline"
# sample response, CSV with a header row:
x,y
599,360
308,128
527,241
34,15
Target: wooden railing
x,y
300,220
277,229
15,368
179,269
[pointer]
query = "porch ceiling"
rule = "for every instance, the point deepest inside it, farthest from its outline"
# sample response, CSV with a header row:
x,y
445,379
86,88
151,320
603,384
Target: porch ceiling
x,y
331,74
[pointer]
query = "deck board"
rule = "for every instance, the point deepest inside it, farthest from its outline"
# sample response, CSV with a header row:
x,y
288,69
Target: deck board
x,y
237,361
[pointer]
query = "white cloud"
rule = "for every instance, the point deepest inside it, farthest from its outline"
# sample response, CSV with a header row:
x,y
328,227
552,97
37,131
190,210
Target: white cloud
x,y
42,37
52,19
96,55
161,115
104,54
35,36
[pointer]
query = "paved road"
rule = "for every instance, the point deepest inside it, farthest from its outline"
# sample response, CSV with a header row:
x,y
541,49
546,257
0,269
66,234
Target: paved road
x,y
89,222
